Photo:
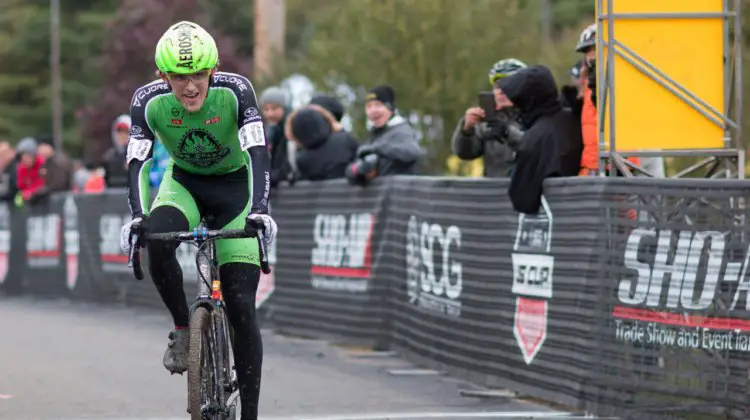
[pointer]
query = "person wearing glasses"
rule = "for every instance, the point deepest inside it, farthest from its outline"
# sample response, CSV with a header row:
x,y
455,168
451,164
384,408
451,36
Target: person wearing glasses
x,y
211,127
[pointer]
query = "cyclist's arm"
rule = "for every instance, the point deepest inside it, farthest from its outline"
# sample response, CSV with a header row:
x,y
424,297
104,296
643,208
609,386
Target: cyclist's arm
x,y
252,138
140,152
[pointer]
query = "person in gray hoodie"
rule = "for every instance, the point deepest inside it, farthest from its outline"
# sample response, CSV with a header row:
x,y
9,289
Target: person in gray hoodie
x,y
115,167
393,147
494,139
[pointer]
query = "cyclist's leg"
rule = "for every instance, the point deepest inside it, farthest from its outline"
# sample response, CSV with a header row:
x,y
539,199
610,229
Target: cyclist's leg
x,y
240,273
174,209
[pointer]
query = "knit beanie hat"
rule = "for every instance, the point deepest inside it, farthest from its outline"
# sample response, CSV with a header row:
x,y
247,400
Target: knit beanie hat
x,y
26,145
310,127
275,95
384,94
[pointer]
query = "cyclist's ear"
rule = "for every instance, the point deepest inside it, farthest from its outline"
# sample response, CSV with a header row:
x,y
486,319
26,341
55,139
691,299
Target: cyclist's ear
x,y
162,76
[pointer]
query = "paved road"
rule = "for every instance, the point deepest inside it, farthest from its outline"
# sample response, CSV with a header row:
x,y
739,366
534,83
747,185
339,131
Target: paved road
x,y
71,360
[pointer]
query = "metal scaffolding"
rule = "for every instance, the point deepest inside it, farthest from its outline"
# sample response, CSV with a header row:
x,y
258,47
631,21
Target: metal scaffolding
x,y
726,162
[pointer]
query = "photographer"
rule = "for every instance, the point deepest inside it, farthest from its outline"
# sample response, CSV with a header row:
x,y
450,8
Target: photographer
x,y
495,137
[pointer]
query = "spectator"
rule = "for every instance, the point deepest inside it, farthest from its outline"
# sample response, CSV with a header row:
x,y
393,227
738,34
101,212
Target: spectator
x,y
571,94
551,145
589,117
57,171
80,175
30,172
324,148
331,104
95,183
115,166
14,279
495,139
8,173
275,102
393,147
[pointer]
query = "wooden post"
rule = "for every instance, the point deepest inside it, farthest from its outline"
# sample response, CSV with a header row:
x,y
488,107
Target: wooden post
x,y
57,123
270,22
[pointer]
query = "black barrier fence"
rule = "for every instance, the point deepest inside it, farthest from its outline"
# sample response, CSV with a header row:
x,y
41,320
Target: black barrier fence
x,y
624,297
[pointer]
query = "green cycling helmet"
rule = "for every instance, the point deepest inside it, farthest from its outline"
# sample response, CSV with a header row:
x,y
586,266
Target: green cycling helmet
x,y
186,48
505,68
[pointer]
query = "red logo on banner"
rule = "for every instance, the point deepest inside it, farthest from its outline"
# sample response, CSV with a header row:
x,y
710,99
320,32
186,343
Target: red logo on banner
x,y
530,326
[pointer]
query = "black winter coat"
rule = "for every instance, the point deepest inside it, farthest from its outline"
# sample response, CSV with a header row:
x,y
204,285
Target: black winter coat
x,y
552,143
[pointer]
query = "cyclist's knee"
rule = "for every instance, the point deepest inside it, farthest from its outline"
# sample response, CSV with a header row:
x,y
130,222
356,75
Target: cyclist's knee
x,y
239,282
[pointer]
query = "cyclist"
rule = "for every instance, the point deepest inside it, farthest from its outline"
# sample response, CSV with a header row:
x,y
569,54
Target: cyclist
x,y
211,127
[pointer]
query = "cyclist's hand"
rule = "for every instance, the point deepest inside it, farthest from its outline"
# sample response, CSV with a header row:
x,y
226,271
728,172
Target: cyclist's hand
x,y
137,225
263,222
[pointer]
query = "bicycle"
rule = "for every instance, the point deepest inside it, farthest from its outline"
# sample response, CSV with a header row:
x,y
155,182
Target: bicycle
x,y
212,380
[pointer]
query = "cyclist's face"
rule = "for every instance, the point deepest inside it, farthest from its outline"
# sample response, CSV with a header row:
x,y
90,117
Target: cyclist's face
x,y
190,89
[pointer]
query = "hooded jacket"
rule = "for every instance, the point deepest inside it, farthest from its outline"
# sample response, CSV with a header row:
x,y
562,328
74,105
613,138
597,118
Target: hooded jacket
x,y
324,147
30,180
397,146
115,167
551,145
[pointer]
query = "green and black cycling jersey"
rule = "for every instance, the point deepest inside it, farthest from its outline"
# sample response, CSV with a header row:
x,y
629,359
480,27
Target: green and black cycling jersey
x,y
226,135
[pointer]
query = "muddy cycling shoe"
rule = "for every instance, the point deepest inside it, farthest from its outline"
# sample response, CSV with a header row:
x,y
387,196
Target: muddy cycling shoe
x,y
176,356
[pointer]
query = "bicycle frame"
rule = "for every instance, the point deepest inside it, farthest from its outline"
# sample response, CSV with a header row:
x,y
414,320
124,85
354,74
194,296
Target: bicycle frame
x,y
210,298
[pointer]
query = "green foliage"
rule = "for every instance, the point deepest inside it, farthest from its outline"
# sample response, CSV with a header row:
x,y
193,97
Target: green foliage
x,y
25,108
435,54
127,60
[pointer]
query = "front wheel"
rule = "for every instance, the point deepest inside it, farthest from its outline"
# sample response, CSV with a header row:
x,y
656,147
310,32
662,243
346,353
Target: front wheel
x,y
205,390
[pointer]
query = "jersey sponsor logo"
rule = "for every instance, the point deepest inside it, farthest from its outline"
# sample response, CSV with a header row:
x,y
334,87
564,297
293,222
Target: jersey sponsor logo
x,y
252,115
138,149
135,130
234,80
213,120
185,44
251,135
200,148
145,91
176,121
251,112
175,112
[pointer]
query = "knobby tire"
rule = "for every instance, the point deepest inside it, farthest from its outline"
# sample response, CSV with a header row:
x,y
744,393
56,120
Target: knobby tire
x,y
202,353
